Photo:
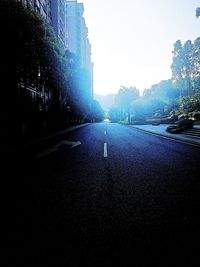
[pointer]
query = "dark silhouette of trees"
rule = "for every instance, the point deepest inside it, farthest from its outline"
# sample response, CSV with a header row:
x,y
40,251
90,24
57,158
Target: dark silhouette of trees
x,y
44,88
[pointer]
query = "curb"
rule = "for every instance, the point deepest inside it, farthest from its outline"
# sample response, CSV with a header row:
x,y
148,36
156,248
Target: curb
x,y
174,138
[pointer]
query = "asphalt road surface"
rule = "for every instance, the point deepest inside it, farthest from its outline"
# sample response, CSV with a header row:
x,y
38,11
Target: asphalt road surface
x,y
104,195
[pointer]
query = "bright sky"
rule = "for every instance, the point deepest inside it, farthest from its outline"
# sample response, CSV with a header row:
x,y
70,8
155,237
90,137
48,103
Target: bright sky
x,y
132,40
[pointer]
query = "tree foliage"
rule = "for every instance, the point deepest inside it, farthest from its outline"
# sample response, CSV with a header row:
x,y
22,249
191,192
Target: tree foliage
x,y
186,67
98,113
198,12
190,103
122,105
47,87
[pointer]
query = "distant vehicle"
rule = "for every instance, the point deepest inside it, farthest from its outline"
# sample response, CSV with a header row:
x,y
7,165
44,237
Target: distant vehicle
x,y
106,120
155,123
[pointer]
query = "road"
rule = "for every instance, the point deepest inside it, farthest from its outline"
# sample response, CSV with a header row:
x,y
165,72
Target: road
x,y
104,195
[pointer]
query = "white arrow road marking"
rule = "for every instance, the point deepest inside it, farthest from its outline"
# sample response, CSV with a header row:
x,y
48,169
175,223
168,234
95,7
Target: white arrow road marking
x,y
104,132
56,147
105,152
69,143
78,143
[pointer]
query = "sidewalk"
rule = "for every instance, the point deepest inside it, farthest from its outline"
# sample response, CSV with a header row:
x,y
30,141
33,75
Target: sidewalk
x,y
161,130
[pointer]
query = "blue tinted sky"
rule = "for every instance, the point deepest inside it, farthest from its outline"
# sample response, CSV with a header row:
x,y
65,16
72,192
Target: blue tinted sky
x,y
132,40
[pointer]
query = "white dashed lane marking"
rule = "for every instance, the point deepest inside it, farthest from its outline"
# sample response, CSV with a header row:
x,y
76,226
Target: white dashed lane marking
x,y
105,152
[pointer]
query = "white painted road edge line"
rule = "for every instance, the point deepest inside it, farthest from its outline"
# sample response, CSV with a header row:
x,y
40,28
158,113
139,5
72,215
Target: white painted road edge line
x,y
105,153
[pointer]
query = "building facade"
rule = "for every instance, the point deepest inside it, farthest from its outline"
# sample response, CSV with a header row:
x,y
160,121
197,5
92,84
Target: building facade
x,y
58,20
67,20
74,12
77,37
40,6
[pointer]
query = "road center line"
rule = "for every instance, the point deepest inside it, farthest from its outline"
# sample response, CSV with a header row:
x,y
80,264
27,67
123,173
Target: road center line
x,y
105,153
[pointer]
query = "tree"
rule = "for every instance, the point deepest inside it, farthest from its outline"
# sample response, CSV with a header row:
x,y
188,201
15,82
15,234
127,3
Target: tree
x,y
177,65
186,67
190,103
139,108
115,113
198,12
45,82
97,111
123,100
161,98
195,65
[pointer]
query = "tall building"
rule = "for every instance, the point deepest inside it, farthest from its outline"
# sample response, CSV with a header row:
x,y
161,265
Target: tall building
x,y
54,11
40,6
58,20
74,12
67,20
77,36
